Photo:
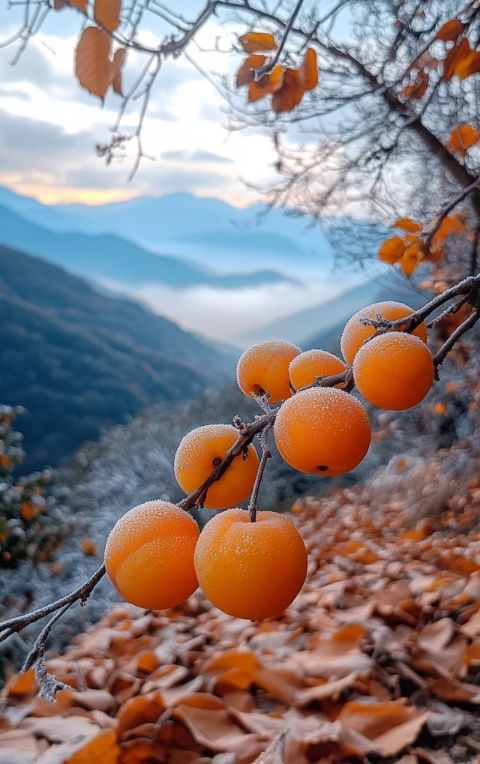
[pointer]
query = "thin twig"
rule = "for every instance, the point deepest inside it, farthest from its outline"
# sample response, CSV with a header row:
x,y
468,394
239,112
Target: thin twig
x,y
268,67
266,455
81,594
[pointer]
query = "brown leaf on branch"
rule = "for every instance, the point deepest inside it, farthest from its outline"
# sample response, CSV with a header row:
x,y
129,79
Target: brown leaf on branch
x,y
117,66
309,69
107,14
411,257
407,224
266,85
254,42
392,250
291,92
92,61
246,72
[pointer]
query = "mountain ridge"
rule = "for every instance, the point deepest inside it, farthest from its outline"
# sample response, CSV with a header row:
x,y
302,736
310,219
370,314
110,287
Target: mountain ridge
x,y
109,256
79,360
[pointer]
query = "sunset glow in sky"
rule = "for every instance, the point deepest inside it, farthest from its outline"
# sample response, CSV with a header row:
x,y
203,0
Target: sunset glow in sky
x,y
50,126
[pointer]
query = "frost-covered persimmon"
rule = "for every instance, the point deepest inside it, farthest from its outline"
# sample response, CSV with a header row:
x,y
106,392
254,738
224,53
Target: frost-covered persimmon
x,y
149,555
201,450
355,333
394,371
323,431
250,569
263,369
308,366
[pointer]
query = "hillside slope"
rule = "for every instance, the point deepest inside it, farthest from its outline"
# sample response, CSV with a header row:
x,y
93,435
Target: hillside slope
x,y
79,360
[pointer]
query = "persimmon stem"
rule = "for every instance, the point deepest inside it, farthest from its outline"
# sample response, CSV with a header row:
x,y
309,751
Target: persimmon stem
x,y
266,455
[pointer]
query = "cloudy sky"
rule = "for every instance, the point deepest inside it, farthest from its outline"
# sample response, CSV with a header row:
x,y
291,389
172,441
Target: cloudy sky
x,y
50,126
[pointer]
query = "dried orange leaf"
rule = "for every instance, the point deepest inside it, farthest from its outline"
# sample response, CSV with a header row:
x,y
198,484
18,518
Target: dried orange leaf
x,y
418,87
391,726
117,66
103,748
22,684
254,42
410,259
468,65
450,30
463,137
459,53
146,708
267,84
309,69
407,224
245,73
452,224
107,13
92,61
291,92
392,250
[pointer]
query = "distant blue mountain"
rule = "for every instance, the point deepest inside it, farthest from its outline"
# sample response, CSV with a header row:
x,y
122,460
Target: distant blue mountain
x,y
110,257
207,231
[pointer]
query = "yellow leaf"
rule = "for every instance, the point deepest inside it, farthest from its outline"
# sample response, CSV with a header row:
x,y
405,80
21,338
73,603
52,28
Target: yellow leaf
x,y
92,61
252,42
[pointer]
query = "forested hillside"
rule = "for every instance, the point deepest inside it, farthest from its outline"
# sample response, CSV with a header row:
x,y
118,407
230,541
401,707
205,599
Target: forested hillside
x,y
79,360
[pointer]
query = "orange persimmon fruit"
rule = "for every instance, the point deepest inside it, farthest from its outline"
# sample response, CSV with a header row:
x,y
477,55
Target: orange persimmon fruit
x,y
201,450
250,569
394,371
355,333
308,366
149,555
323,431
263,370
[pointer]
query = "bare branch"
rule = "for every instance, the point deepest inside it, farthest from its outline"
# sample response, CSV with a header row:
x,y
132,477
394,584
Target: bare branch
x,y
270,65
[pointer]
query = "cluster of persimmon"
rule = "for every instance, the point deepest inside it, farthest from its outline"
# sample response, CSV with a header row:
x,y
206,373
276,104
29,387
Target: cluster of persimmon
x,y
249,567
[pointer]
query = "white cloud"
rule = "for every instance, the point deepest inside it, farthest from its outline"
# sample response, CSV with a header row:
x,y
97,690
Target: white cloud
x,y
224,313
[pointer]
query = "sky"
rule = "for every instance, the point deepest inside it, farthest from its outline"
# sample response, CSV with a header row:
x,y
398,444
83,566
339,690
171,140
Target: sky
x,y
50,126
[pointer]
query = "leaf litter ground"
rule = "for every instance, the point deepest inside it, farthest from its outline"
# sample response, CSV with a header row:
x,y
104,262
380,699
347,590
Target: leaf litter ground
x,y
377,660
